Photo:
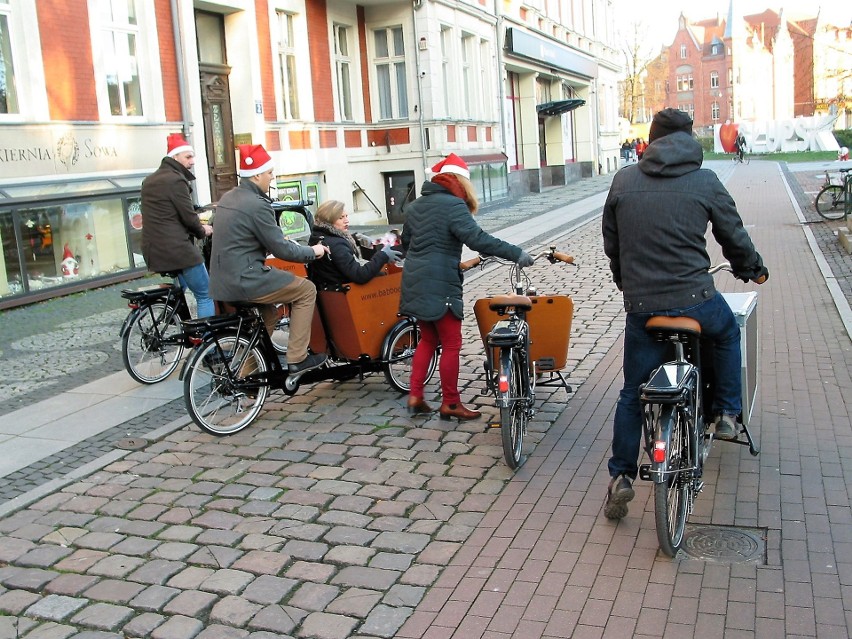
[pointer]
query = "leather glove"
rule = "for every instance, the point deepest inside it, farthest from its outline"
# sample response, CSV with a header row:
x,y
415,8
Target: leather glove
x,y
393,253
525,260
759,275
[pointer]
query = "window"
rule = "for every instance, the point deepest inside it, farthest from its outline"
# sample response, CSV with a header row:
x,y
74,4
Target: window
x,y
714,111
684,82
486,93
119,34
446,67
467,74
714,49
714,79
8,92
683,52
287,64
343,63
390,73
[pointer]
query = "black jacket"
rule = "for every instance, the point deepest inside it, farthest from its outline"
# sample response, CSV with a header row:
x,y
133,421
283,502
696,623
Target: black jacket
x,y
654,225
437,225
342,265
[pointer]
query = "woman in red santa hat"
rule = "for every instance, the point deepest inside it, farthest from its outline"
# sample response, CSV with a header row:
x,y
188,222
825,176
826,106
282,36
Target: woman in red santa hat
x,y
437,225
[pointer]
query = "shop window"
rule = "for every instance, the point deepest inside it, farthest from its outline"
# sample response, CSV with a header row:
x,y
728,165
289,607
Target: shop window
x,y
491,181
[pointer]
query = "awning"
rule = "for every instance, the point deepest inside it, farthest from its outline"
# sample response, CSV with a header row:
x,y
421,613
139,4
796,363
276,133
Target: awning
x,y
487,158
559,107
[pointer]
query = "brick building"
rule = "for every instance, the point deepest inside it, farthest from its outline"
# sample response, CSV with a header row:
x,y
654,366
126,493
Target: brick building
x,y
354,101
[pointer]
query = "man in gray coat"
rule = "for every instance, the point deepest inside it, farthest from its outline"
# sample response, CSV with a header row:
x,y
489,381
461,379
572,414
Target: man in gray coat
x,y
655,221
245,234
170,223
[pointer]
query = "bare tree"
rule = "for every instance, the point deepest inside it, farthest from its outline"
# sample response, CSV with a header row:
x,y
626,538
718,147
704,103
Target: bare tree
x,y
638,52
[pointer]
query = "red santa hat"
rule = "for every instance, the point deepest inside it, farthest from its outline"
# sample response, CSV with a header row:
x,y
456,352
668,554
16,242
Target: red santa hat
x,y
176,144
452,164
67,253
254,160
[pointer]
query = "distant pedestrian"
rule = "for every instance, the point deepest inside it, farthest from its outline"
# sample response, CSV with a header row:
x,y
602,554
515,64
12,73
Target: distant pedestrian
x,y
170,223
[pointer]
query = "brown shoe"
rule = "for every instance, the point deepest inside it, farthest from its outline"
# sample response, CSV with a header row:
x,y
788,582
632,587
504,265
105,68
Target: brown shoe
x,y
416,406
459,411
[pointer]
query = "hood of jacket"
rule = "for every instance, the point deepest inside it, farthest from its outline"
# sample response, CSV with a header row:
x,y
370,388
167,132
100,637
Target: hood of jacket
x,y
672,155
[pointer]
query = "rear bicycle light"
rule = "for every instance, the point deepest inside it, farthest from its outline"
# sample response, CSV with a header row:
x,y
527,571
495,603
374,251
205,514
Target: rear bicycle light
x,y
659,451
503,384
194,341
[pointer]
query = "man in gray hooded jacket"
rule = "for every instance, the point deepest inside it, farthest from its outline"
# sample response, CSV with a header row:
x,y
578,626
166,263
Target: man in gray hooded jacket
x,y
654,228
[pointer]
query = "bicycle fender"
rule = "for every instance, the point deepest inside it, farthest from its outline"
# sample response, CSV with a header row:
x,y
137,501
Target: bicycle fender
x,y
404,322
131,317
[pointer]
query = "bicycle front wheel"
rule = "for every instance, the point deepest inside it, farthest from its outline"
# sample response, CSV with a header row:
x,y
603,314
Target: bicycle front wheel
x,y
152,344
398,354
829,202
513,410
212,392
671,495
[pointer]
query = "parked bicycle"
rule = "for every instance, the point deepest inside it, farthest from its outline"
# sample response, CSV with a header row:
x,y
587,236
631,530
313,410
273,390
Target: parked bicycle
x,y
834,200
525,337
235,365
676,405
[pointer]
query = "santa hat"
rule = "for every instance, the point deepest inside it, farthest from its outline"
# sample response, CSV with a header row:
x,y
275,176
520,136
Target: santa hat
x,y
254,160
67,253
176,144
452,164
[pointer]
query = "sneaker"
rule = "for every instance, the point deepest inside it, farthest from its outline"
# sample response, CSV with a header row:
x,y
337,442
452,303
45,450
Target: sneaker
x,y
313,360
726,427
618,494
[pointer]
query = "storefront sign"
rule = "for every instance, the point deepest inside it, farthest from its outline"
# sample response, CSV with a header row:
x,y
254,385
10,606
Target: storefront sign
x,y
549,53
58,151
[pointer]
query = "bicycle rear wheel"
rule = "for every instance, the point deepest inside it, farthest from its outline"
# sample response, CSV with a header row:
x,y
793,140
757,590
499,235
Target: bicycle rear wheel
x,y
152,344
213,400
513,413
671,497
829,202
401,344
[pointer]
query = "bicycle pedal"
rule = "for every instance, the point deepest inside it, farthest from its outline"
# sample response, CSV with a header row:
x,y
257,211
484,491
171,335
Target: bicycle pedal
x,y
645,472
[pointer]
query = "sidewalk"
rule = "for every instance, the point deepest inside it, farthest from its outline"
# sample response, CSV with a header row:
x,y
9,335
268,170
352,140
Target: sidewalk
x,y
335,515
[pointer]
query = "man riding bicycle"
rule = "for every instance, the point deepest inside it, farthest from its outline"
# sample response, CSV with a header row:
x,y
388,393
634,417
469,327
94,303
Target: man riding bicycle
x,y
740,145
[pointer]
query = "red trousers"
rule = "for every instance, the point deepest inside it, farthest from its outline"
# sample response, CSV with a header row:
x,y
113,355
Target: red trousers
x,y
447,332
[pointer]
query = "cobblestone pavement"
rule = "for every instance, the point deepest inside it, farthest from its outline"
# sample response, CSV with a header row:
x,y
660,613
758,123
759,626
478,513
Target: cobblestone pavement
x,y
332,516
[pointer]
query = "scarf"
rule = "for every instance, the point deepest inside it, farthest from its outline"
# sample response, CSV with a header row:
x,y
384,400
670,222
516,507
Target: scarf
x,y
321,228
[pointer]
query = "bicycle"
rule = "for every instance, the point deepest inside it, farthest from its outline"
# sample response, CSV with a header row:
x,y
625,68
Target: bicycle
x,y
741,157
676,407
525,336
235,364
834,201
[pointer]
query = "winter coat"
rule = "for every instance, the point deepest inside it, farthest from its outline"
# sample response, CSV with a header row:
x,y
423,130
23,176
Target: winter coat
x,y
169,220
437,225
342,265
244,234
654,225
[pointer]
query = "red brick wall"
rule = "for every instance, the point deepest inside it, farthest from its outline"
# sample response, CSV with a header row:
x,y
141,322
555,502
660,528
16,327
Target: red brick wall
x,y
323,93
352,139
168,61
471,134
273,140
383,137
68,66
451,133
327,139
267,82
299,139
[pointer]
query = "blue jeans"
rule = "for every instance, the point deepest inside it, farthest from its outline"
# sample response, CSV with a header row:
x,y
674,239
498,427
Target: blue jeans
x,y
642,354
196,279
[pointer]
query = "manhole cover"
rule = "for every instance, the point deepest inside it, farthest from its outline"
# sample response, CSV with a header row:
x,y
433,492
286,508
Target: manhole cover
x,y
725,544
131,443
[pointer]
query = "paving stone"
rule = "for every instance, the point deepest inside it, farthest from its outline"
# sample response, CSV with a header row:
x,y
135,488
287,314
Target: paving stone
x,y
349,555
43,556
277,619
268,589
99,540
116,566
400,596
311,571
384,621
215,556
298,530
135,546
81,560
305,550
190,577
157,571
113,590
179,533
178,627
174,550
354,602
222,632
400,542
234,611
33,579
262,562
321,625
311,596
191,603
391,561
47,630
420,575
143,625
350,536
154,598
372,578
227,581
56,607
103,616
14,602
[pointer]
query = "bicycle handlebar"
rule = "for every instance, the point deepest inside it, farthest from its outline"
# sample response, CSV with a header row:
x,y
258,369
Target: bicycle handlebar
x,y
551,254
726,266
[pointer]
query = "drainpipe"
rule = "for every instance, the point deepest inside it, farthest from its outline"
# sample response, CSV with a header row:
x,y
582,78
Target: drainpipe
x,y
179,61
500,71
415,5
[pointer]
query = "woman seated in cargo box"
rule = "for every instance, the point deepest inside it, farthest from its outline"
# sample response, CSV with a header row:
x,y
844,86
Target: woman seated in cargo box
x,y
341,266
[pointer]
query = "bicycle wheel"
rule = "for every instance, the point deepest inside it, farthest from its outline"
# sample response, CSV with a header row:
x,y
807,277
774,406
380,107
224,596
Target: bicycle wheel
x,y
829,202
281,334
398,353
670,495
513,415
152,345
211,398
